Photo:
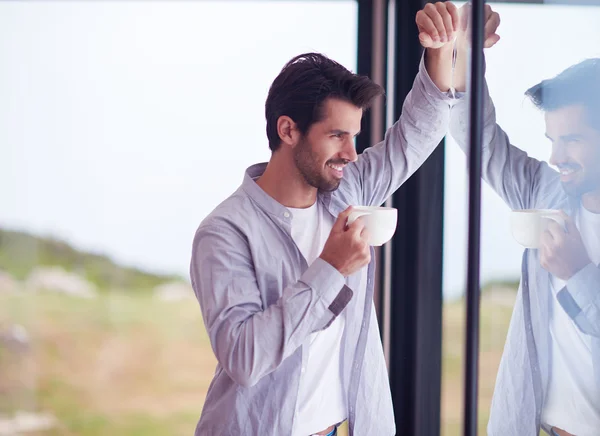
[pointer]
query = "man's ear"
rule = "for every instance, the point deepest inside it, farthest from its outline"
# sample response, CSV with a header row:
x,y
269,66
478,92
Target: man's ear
x,y
288,131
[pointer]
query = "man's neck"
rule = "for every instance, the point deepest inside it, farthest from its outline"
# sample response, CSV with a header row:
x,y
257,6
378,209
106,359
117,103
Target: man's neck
x,y
285,184
591,201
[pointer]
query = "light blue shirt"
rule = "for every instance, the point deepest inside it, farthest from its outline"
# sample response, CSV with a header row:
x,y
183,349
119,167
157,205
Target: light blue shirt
x,y
260,300
526,183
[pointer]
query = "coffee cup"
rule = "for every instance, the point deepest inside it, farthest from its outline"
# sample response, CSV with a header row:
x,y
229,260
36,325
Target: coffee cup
x,y
379,221
528,225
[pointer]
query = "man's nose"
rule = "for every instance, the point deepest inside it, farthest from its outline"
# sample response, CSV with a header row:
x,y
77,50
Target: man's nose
x,y
558,154
349,151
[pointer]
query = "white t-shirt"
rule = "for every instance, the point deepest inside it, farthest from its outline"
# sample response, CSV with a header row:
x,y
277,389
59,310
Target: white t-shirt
x,y
573,399
321,397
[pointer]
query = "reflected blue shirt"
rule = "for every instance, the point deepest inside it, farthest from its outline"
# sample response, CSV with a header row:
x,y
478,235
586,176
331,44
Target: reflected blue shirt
x,y
526,183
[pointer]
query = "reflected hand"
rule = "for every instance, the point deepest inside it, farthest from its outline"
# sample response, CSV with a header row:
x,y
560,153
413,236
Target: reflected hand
x,y
492,22
562,253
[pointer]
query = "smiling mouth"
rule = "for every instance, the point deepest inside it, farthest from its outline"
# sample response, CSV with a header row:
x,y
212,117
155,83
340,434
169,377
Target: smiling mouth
x,y
566,173
338,169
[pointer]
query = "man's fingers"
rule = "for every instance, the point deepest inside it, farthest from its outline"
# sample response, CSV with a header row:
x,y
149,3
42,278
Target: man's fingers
x,y
448,31
425,25
364,234
570,226
491,25
438,22
425,40
492,22
546,239
491,41
434,14
465,16
487,12
556,231
453,11
544,256
356,227
342,220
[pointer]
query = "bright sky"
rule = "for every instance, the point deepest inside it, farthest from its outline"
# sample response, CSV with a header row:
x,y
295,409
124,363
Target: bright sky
x,y
122,124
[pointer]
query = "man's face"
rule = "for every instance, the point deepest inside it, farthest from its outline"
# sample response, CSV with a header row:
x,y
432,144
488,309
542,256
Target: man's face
x,y
328,146
575,149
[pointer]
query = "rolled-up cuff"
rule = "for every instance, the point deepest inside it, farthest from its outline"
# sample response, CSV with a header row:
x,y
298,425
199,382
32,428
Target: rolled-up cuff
x,y
330,285
584,285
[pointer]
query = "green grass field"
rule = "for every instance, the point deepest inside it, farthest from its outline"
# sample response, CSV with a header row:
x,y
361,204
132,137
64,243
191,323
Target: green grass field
x,y
496,309
131,365
115,365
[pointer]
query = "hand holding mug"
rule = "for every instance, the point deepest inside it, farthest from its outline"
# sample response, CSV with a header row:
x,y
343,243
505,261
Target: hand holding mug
x,y
346,248
562,252
379,221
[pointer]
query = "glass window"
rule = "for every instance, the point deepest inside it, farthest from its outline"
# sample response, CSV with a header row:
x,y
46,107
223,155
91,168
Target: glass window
x,y
538,42
123,124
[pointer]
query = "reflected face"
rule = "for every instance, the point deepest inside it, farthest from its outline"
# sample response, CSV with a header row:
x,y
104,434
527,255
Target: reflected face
x,y
575,149
328,146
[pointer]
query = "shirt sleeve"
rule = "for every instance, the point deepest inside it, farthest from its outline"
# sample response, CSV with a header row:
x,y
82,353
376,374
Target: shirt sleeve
x,y
520,180
383,168
581,299
249,340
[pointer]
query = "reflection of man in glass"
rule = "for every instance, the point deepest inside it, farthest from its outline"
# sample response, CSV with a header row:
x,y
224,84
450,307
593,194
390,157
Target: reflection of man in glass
x,y
549,376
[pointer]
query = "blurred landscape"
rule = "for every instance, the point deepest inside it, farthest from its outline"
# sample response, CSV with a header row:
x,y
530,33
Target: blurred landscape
x,y
129,358
89,347
22,253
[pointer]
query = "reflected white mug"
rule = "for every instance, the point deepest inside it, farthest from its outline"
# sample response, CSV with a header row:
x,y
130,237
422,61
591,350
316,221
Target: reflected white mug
x,y
528,225
379,221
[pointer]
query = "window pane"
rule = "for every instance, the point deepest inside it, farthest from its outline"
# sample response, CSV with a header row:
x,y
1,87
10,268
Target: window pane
x,y
551,352
123,124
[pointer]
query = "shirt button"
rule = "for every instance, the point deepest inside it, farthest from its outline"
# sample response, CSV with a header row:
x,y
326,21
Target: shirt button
x,y
302,370
286,214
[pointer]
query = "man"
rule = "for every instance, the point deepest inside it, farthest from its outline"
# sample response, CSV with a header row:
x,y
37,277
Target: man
x,y
285,286
549,375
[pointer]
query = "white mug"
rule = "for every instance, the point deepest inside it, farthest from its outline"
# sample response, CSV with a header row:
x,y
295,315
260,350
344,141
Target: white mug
x,y
379,221
528,225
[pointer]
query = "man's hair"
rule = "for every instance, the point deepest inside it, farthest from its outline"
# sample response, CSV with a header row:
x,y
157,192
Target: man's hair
x,y
578,84
304,84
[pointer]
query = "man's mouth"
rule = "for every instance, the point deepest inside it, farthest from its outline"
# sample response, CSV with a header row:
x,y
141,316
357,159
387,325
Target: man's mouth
x,y
338,169
567,172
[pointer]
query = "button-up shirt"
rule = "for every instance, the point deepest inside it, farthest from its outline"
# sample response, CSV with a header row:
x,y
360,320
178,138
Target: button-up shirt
x,y
526,183
260,300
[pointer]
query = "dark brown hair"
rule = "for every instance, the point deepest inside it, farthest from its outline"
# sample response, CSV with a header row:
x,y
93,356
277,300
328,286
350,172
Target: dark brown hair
x,y
304,84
